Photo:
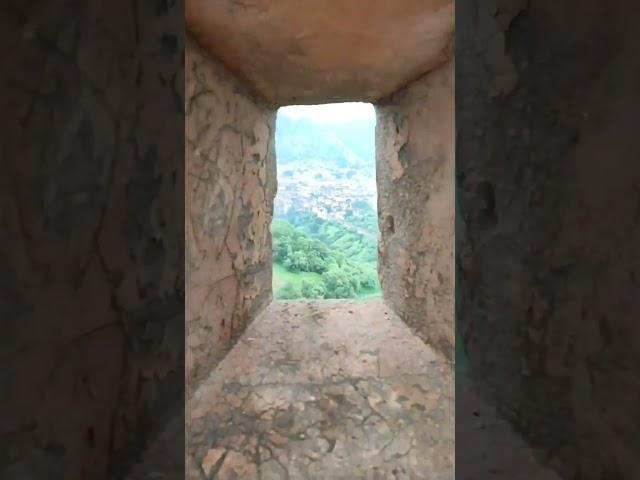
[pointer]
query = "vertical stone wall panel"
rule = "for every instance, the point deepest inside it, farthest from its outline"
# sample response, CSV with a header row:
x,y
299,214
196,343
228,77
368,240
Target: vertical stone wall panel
x,y
230,187
547,182
92,291
415,174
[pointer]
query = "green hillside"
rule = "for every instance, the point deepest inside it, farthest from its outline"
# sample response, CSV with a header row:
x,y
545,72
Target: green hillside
x,y
306,266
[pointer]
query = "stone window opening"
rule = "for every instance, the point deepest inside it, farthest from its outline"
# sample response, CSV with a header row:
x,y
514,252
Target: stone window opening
x,y
325,224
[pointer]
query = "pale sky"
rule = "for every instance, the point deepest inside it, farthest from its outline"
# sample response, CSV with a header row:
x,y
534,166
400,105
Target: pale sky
x,y
330,112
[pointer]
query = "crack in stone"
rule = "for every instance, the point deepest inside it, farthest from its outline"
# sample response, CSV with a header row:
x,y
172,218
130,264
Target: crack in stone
x,y
305,426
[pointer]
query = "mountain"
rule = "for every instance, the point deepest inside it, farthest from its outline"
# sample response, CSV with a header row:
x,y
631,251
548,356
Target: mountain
x,y
345,145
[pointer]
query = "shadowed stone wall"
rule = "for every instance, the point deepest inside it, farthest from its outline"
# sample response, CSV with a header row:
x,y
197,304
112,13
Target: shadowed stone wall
x,y
230,187
91,195
548,179
415,175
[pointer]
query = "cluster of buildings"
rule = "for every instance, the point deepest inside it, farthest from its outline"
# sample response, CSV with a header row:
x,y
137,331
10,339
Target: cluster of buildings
x,y
323,194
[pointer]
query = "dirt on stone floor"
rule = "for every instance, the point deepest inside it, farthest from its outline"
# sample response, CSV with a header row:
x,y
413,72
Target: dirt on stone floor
x,y
336,390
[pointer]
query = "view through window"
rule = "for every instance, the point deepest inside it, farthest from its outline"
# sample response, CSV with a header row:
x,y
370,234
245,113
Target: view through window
x,y
325,227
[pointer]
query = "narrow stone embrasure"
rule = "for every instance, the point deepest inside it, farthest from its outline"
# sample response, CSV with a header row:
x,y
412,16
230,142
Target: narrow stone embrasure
x,y
323,388
333,387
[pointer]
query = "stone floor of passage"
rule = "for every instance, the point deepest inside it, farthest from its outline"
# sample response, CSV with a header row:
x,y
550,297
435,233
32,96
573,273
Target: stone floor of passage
x,y
337,390
324,390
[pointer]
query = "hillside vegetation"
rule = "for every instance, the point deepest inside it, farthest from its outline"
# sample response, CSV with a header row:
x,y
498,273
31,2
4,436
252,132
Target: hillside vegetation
x,y
320,265
325,231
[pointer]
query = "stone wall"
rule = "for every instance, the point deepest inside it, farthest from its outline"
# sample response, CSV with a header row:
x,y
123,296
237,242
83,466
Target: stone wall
x,y
230,187
548,181
296,52
415,171
92,240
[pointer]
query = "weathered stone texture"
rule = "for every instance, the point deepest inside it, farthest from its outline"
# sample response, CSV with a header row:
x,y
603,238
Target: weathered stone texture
x,y
91,190
415,169
306,51
325,390
548,179
230,187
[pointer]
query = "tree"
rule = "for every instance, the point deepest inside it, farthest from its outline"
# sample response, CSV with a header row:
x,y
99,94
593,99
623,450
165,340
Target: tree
x,y
369,279
312,290
289,292
281,249
338,284
346,260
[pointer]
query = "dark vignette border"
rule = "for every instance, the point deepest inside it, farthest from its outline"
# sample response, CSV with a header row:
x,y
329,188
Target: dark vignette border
x,y
548,244
92,290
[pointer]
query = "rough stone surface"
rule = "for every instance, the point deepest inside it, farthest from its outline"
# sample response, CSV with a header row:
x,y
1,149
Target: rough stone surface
x,y
305,51
339,390
543,194
487,447
163,458
342,390
92,240
230,186
415,170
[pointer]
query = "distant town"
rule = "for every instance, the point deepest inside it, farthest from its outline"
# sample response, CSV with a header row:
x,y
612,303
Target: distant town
x,y
327,193
325,226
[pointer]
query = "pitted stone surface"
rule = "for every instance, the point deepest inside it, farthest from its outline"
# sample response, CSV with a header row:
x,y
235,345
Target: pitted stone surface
x,y
305,51
338,390
557,347
487,447
326,390
415,171
230,186
92,239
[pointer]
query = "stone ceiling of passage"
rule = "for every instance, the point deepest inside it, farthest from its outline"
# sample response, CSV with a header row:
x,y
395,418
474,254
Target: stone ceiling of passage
x,y
321,51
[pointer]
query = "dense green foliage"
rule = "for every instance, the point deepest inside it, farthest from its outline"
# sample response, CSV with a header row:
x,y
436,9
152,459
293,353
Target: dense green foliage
x,y
343,262
315,257
356,238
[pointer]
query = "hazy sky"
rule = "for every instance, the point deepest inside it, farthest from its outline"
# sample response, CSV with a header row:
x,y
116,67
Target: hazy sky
x,y
331,112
